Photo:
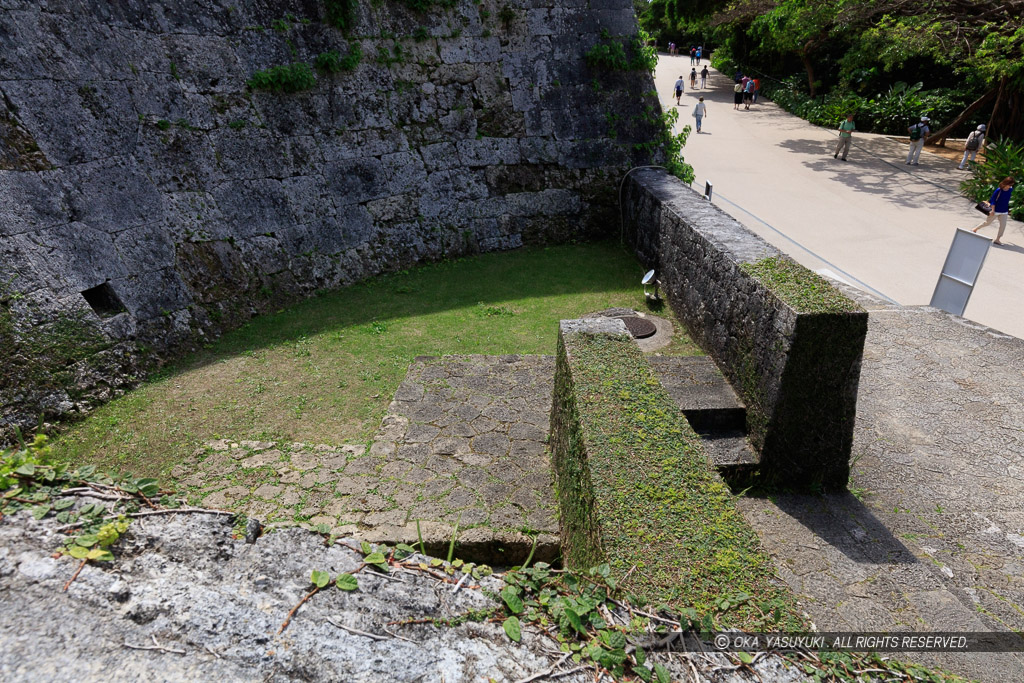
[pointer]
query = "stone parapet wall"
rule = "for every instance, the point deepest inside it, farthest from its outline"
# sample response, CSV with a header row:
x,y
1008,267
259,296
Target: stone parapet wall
x,y
788,341
137,164
636,488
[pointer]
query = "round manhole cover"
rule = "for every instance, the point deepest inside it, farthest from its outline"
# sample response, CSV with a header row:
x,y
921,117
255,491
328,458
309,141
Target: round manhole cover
x,y
639,327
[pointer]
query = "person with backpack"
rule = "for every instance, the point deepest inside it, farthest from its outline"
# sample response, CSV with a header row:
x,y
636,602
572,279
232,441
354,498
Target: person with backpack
x,y
693,55
737,95
918,132
999,204
703,77
748,94
974,142
679,89
693,78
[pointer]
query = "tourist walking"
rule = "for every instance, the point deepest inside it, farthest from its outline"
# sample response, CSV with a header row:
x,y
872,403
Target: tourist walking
x,y
1000,207
699,112
918,132
703,78
757,88
737,95
748,94
974,142
693,55
846,129
699,51
693,78
679,89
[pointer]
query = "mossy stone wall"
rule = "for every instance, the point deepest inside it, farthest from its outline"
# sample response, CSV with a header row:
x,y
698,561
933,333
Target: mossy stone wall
x,y
788,341
636,490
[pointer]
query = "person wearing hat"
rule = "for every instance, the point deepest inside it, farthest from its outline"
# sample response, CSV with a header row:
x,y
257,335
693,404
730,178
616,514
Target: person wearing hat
x,y
974,142
918,132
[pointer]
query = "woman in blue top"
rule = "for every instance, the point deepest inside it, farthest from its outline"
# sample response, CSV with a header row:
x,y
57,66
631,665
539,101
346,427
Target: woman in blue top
x,y
1000,203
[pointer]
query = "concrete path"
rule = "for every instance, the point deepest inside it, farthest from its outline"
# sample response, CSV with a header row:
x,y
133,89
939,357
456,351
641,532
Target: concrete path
x,y
872,221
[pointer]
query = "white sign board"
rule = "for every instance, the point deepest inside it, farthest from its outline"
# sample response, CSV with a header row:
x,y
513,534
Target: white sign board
x,y
960,271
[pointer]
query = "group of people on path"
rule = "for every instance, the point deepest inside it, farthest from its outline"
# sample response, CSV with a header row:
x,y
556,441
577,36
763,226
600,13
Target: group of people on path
x,y
918,133
998,205
696,52
745,91
678,88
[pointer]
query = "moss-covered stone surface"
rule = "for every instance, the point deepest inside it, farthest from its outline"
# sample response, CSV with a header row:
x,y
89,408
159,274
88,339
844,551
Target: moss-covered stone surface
x,y
637,491
803,289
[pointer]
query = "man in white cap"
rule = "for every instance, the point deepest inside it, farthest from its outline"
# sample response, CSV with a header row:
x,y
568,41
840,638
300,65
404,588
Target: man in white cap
x,y
974,142
918,132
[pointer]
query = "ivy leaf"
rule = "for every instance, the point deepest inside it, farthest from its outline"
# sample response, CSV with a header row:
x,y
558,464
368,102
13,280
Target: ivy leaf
x,y
574,620
87,540
643,672
13,492
366,547
513,629
64,517
319,578
375,558
28,469
148,487
63,503
511,597
744,656
641,657
616,640
662,674
322,528
78,552
39,511
347,582
100,555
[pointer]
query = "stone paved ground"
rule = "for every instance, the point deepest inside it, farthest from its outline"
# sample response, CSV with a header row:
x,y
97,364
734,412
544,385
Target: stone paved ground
x,y
934,538
462,443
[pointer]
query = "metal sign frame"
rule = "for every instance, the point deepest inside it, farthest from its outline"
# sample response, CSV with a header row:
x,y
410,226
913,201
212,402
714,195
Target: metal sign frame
x,y
960,272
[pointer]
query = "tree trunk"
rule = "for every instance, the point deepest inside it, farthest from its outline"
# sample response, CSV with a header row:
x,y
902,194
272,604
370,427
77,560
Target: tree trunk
x,y
939,137
995,108
805,57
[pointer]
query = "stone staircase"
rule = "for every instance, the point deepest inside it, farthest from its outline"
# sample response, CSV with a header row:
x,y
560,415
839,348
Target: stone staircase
x,y
712,408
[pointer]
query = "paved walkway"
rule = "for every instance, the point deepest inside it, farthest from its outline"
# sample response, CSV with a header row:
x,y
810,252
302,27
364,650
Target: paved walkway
x,y
932,536
462,444
872,219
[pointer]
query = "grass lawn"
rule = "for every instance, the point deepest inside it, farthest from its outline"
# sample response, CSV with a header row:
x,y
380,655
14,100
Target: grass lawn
x,y
324,370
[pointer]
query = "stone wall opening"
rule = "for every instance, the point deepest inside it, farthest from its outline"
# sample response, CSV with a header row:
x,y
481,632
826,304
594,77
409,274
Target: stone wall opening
x,y
103,300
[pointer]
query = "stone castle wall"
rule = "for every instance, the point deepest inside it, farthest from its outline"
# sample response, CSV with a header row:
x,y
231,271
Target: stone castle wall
x,y
150,197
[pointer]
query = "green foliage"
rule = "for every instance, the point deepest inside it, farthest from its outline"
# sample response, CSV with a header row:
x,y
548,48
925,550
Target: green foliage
x,y
346,582
284,78
332,62
427,5
803,289
163,124
668,142
319,578
29,482
237,124
1002,158
889,112
611,54
340,13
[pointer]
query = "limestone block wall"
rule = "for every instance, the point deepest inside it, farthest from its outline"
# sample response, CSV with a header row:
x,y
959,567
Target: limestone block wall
x,y
788,342
152,198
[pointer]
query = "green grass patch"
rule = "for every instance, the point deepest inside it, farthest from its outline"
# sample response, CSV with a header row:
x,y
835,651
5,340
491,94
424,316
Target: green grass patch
x,y
803,289
325,370
637,491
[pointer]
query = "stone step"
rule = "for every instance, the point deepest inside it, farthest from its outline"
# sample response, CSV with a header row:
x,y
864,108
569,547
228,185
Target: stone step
x,y
730,450
701,392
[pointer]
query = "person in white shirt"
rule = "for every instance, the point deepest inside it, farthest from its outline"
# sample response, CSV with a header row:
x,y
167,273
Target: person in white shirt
x,y
679,90
918,132
699,112
974,142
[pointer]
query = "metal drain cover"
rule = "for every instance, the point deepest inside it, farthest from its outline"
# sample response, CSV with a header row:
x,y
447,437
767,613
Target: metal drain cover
x,y
639,327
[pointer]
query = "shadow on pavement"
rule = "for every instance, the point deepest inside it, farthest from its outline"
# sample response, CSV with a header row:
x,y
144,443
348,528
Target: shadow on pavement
x,y
844,523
